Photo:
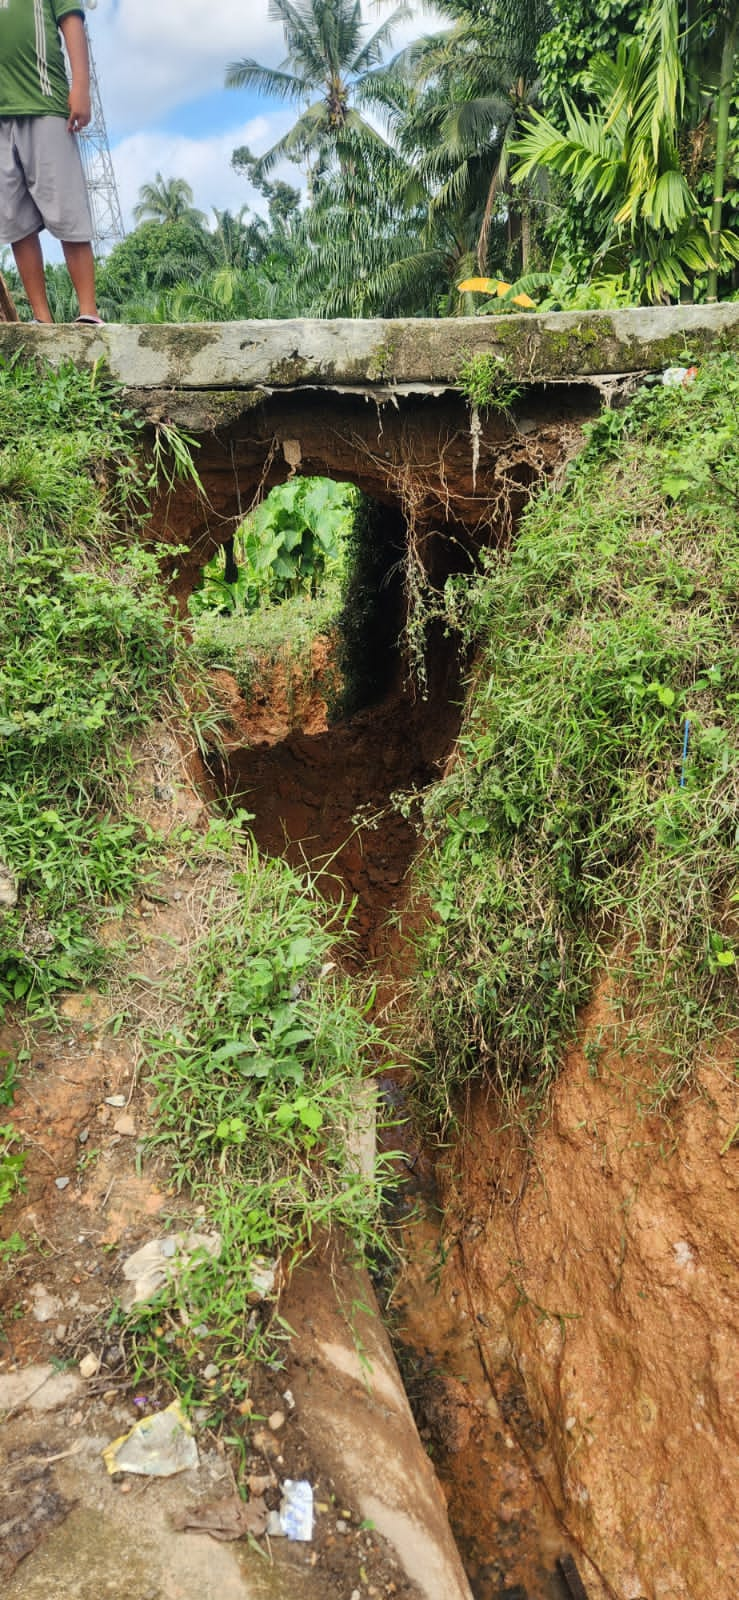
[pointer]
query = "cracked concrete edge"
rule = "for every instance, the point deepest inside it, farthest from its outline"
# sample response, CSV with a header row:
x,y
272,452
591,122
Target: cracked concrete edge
x,y
355,1412
292,354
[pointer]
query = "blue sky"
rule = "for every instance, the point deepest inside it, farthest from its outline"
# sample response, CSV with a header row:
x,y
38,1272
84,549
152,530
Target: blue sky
x,y
161,66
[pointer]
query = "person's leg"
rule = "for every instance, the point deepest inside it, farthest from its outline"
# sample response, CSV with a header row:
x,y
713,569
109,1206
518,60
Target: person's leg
x,y
81,268
30,263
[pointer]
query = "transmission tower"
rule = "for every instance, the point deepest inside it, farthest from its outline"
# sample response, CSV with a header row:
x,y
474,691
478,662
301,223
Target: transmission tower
x,y
105,206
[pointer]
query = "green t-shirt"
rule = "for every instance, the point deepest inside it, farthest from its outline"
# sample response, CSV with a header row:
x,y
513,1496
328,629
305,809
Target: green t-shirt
x,y
33,80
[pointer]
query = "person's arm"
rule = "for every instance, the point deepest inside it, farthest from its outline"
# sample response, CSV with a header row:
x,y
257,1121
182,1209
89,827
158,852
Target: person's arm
x,y
72,28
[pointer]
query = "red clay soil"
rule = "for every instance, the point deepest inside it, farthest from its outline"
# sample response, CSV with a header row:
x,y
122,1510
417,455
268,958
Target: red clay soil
x,y
324,797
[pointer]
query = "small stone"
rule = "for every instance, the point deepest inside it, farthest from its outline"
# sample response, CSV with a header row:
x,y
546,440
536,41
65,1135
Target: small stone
x,y
8,888
263,1280
45,1306
274,1527
258,1484
125,1125
264,1442
289,1399
83,1135
110,1396
89,1365
341,1526
210,1372
62,1183
115,1099
276,1421
163,792
60,1332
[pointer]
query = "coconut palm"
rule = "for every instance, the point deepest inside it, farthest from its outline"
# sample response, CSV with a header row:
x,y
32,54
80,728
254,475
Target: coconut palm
x,y
329,61
480,78
167,200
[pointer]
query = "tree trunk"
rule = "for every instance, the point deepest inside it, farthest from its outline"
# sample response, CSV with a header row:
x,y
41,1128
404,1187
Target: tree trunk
x,y
722,144
8,312
525,235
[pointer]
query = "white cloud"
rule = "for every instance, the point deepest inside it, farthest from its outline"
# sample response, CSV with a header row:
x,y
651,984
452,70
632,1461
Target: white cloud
x,y
205,163
155,55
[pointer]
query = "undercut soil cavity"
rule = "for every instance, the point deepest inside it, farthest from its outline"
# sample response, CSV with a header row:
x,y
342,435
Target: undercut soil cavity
x,y
343,801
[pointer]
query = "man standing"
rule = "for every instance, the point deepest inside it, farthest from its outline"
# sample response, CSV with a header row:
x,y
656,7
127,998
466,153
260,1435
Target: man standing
x,y
42,184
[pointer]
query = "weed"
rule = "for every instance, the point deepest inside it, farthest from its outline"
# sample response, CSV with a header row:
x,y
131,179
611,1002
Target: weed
x,y
275,636
256,1099
89,650
12,1162
486,383
290,545
574,834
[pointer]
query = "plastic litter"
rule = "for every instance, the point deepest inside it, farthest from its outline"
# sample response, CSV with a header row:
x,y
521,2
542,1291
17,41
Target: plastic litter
x,y
296,1510
150,1268
672,377
156,1447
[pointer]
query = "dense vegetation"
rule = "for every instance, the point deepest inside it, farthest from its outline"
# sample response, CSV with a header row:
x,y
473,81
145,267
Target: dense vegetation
x,y
590,820
585,149
263,1042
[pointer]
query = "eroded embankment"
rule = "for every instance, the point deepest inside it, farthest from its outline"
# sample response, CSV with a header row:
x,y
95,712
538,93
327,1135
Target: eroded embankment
x,y
330,798
563,1317
580,1299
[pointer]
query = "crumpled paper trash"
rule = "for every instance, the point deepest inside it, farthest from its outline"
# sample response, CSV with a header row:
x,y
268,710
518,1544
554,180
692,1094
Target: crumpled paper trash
x,y
150,1268
156,1447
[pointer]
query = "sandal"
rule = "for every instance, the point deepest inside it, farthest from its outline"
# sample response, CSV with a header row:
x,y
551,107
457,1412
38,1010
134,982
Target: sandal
x,y
93,322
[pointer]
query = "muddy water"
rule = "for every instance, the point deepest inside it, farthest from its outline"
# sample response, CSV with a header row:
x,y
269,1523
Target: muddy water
x,y
328,797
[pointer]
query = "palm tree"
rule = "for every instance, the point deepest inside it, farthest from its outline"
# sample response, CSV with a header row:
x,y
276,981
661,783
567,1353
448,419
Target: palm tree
x,y
328,64
724,92
623,161
481,77
167,200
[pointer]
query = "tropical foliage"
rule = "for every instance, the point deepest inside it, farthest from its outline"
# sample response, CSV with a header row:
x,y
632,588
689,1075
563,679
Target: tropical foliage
x,y
622,159
289,546
584,151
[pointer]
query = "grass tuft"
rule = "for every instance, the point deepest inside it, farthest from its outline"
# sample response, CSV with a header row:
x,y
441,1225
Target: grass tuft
x,y
571,836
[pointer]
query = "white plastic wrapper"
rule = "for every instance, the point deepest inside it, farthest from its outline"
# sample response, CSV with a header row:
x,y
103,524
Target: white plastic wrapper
x,y
296,1510
672,377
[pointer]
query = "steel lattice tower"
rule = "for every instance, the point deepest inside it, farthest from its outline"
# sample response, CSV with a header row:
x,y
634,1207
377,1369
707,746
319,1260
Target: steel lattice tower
x,y
107,219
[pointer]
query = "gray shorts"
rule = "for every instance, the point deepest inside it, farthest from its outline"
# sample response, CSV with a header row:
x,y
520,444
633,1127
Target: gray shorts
x,y
42,184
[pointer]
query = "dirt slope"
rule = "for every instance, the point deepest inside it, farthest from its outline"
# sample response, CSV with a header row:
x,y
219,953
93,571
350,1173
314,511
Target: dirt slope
x,y
602,1275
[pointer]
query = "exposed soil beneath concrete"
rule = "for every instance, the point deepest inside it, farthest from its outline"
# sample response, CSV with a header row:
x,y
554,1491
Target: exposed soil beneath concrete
x,y
342,799
323,798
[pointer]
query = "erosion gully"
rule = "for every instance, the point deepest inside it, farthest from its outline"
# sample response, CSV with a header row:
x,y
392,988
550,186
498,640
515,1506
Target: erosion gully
x,y
326,797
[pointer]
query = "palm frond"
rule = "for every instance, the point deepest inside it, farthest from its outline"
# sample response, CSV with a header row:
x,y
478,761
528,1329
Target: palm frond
x,y
249,74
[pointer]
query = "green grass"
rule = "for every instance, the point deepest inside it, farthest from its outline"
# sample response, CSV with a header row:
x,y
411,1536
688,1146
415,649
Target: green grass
x,y
568,840
275,635
255,1098
89,652
256,1081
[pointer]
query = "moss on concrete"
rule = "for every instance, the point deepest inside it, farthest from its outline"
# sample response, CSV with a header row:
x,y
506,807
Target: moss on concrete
x,y
181,341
